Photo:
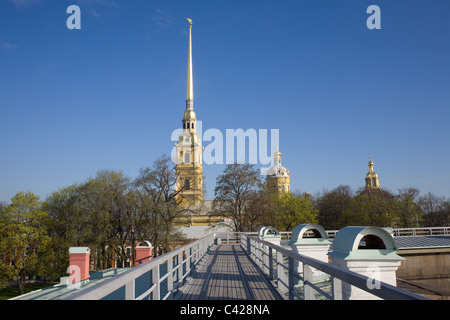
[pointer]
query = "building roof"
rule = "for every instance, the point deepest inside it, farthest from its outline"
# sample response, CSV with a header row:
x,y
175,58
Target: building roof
x,y
62,291
204,208
277,170
376,192
422,242
198,232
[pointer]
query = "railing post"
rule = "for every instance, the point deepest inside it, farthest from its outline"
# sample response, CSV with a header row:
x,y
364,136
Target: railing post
x,y
281,283
180,269
337,288
170,274
264,260
271,271
188,260
155,279
291,278
252,249
307,279
129,290
259,255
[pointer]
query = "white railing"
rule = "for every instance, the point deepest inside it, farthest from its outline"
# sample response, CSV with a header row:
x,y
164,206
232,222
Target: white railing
x,y
157,279
160,278
280,265
415,232
396,232
228,237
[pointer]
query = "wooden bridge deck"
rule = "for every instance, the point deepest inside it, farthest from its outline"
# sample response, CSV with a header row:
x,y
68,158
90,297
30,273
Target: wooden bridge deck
x,y
228,273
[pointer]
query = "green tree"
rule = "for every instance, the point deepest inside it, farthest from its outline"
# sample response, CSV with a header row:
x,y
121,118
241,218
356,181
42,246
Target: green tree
x,y
108,205
291,210
332,205
368,209
406,210
24,240
67,226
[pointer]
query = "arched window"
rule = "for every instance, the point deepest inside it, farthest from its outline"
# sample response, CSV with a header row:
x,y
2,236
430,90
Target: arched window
x,y
192,125
187,184
187,158
371,241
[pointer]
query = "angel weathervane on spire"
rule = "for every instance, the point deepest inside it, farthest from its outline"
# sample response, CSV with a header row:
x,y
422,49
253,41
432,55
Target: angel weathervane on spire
x,y
189,20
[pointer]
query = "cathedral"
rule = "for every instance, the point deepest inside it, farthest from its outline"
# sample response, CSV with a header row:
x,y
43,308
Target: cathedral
x,y
372,186
372,180
189,148
278,179
189,168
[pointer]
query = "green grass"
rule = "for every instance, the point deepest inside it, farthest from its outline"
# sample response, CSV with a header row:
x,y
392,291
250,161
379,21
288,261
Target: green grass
x,y
13,291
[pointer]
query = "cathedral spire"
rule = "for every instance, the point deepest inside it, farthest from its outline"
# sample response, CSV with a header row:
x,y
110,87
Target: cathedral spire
x,y
190,82
277,158
189,169
189,118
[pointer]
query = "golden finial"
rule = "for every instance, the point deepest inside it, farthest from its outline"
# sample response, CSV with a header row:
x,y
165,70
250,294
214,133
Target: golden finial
x,y
189,20
370,163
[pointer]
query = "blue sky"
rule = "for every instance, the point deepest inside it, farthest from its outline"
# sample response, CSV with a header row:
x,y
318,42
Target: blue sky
x,y
108,96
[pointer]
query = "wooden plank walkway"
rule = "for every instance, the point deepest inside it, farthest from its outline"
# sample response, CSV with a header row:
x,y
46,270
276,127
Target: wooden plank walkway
x,y
227,273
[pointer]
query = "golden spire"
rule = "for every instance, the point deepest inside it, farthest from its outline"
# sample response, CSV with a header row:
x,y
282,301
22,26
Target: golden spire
x,y
277,157
370,164
190,82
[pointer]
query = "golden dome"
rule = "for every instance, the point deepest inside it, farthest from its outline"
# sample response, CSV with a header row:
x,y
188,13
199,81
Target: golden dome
x,y
189,115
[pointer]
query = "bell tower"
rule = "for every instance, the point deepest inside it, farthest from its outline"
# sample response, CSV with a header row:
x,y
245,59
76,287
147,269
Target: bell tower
x,y
278,178
189,167
372,180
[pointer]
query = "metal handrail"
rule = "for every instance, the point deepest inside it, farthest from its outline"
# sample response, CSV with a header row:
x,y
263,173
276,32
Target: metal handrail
x,y
175,275
183,260
262,253
396,232
416,232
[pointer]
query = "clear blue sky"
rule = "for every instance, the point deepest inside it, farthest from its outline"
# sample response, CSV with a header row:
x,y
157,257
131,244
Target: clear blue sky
x,y
108,96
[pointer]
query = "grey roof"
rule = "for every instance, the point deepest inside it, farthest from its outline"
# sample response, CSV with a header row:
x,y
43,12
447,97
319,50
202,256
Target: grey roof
x,y
198,232
420,242
62,291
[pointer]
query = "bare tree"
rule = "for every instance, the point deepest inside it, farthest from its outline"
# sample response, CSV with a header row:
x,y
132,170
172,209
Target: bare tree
x,y
234,192
435,210
160,201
